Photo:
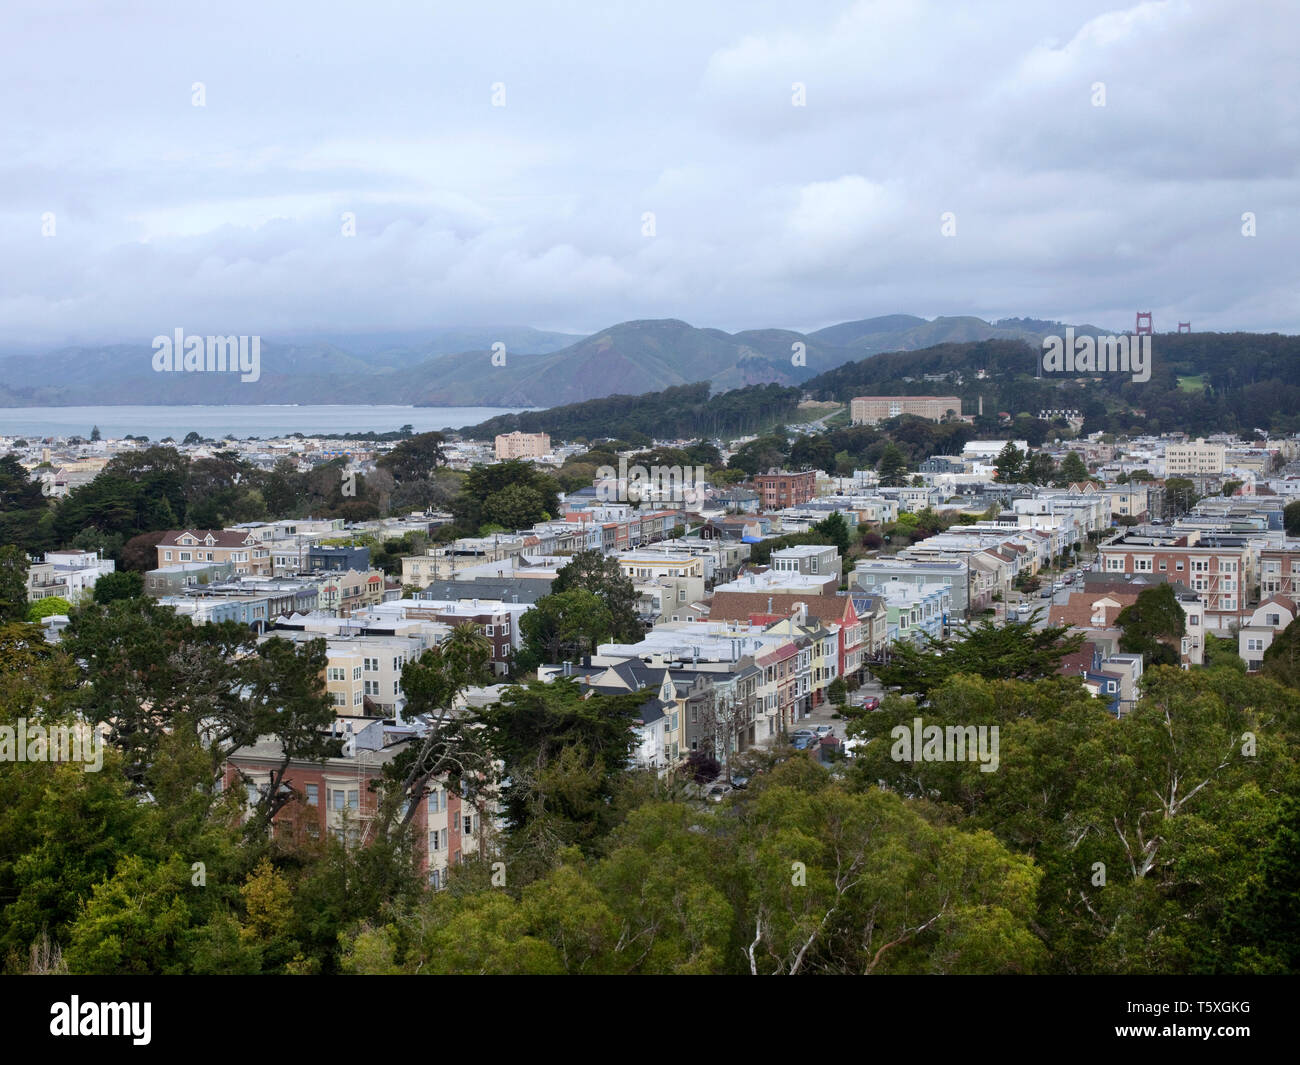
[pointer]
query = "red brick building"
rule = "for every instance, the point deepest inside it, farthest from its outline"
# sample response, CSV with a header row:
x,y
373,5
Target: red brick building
x,y
334,798
1219,569
777,489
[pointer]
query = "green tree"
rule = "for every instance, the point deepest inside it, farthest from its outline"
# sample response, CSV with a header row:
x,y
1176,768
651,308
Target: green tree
x,y
562,627
1180,494
1072,469
1014,651
26,519
595,572
836,530
1291,518
564,754
432,684
48,607
415,458
13,584
120,584
1153,626
1282,658
892,467
94,433
1010,464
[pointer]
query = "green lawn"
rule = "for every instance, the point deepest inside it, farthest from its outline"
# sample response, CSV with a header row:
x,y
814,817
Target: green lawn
x,y
1191,384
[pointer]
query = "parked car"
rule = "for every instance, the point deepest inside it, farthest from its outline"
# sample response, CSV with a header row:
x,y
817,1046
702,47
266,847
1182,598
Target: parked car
x,y
739,781
802,743
1068,578
1046,593
802,732
718,792
823,730
870,703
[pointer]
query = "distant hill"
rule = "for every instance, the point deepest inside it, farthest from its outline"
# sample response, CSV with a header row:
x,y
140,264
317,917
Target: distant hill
x,y
1200,383
455,367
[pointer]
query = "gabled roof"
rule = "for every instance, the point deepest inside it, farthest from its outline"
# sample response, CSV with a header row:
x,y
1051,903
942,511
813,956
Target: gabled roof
x,y
207,537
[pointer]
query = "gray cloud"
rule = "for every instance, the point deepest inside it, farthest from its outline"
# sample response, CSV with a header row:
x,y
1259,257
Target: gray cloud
x,y
227,218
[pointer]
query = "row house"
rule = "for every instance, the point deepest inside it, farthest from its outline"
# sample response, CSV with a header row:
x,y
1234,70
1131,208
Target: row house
x,y
723,558
915,612
498,622
1220,570
852,642
666,582
1279,571
880,575
346,593
1261,628
811,560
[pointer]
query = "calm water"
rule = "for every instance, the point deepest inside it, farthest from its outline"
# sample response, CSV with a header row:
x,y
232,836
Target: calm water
x,y
239,421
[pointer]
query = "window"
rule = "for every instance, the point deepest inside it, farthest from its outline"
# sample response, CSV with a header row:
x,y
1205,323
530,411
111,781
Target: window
x,y
336,673
313,794
435,799
357,698
487,631
372,665
339,698
356,673
434,878
353,797
505,629
185,556
372,687
468,822
1273,620
1178,566
167,555
395,691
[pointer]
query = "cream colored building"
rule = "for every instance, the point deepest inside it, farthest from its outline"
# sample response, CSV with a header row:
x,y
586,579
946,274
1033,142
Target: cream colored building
x,y
522,446
1184,460
870,410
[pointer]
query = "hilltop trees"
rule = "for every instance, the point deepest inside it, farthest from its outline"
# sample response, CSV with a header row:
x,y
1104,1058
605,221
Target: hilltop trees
x,y
512,494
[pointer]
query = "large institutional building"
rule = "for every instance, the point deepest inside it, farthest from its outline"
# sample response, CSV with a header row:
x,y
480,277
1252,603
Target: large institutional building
x,y
871,410
1198,458
522,445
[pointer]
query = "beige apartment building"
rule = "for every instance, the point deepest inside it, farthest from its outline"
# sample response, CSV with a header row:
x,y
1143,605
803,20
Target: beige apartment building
x,y
239,547
667,583
522,446
870,410
1188,460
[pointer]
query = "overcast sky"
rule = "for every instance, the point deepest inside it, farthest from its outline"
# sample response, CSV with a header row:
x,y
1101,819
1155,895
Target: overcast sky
x,y
227,217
